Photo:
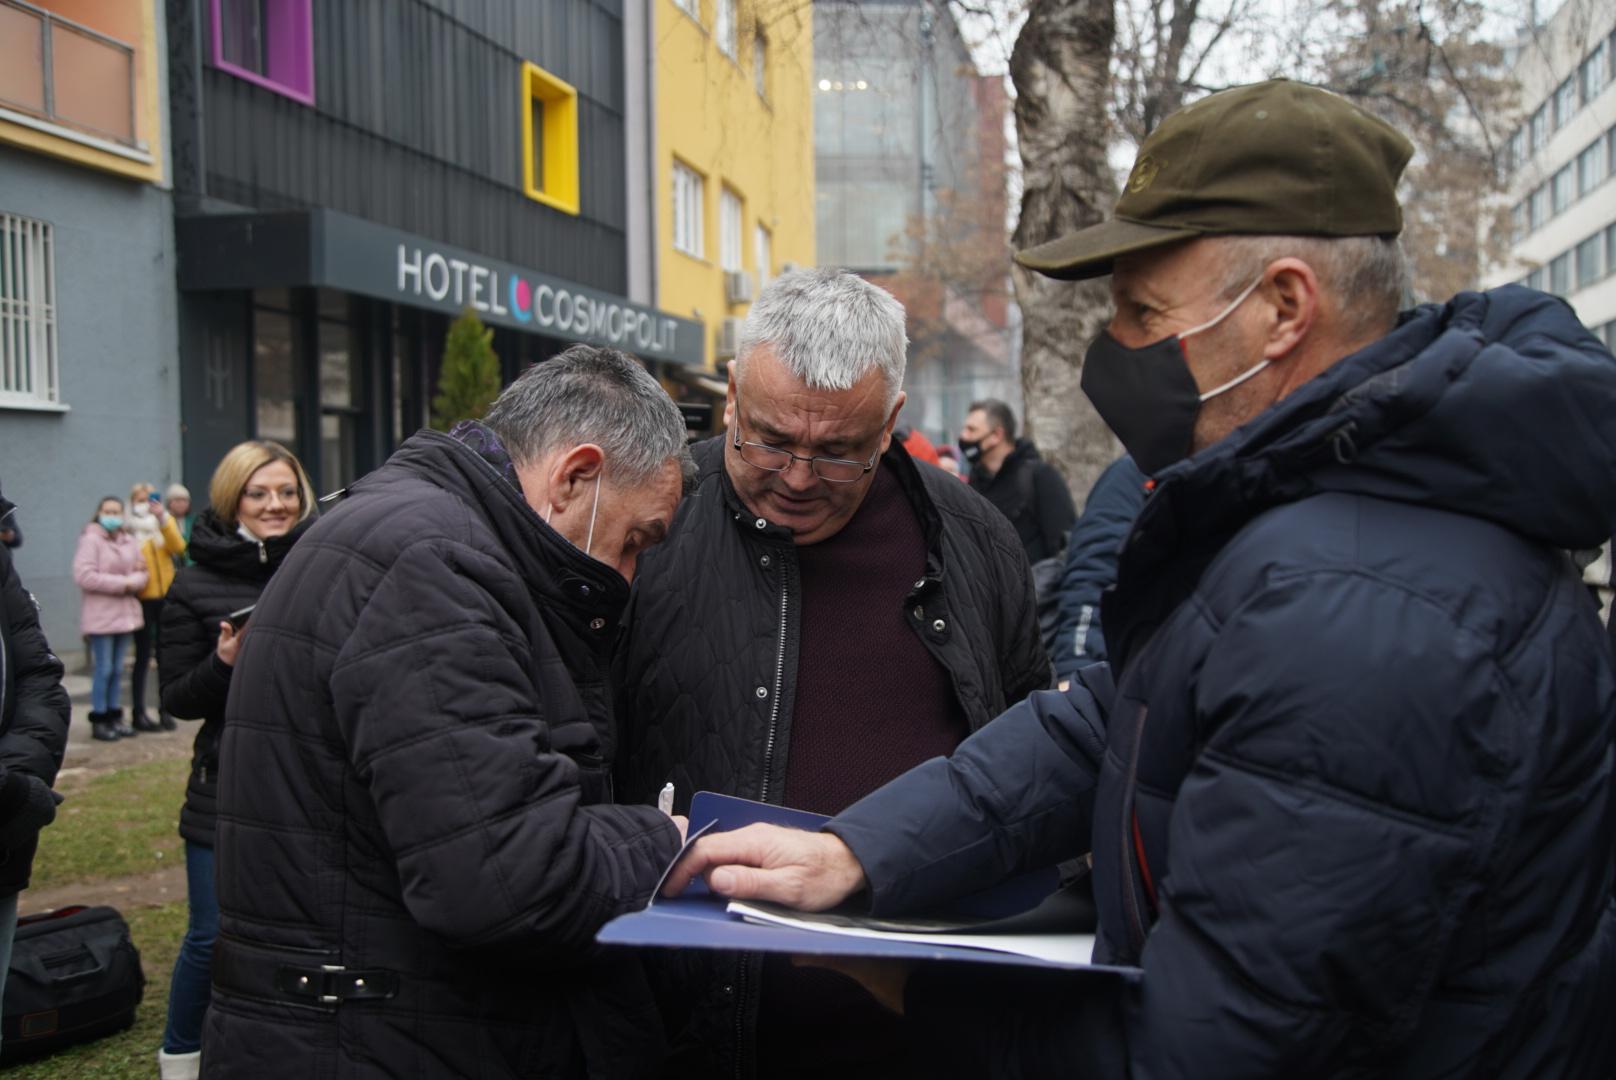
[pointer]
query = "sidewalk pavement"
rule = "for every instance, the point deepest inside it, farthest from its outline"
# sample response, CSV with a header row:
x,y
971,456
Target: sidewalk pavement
x,y
84,754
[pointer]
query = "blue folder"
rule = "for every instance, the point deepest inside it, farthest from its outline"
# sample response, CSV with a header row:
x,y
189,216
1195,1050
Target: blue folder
x,y
699,920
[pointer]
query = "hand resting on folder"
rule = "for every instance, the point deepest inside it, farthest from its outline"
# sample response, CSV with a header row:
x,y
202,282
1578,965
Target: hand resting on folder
x,y
810,871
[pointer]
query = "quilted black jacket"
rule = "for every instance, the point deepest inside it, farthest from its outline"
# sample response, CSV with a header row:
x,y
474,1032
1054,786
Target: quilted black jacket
x,y
414,784
707,673
228,574
33,709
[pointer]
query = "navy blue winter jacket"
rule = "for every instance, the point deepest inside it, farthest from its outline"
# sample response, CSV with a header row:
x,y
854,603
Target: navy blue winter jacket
x,y
1091,565
1350,800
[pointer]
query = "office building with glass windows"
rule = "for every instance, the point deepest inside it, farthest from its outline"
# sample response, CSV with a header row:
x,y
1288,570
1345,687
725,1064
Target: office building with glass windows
x,y
1562,163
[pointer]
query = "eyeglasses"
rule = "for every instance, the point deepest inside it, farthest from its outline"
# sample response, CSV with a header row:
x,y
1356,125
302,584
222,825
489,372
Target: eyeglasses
x,y
773,459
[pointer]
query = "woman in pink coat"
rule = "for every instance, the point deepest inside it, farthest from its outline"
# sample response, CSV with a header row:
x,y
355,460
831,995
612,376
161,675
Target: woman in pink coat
x,y
111,570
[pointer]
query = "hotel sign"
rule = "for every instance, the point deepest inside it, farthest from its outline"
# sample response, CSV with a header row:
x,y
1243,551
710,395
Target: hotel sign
x,y
328,249
434,276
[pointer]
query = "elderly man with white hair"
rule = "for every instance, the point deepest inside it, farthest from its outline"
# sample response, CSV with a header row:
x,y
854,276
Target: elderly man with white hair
x,y
825,614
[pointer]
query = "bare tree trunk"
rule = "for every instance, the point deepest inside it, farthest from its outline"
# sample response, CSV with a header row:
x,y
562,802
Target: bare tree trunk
x,y
1061,71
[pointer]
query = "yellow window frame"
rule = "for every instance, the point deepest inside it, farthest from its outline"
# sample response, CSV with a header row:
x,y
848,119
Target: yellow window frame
x,y
558,187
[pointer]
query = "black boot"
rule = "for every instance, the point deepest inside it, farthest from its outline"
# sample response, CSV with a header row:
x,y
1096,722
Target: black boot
x,y
123,730
167,722
144,722
101,728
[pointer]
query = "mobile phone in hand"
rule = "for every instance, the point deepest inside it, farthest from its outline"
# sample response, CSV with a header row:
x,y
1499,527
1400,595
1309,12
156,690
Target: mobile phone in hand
x,y
154,497
238,619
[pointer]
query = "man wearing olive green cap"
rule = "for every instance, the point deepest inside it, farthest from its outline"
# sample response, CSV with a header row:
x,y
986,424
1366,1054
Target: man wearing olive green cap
x,y
1346,783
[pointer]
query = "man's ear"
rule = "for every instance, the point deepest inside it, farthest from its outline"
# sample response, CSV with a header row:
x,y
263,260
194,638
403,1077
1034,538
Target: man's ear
x,y
1292,291
729,396
886,432
575,472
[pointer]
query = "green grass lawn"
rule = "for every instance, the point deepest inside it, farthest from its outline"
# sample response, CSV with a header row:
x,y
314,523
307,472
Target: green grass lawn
x,y
133,1053
114,825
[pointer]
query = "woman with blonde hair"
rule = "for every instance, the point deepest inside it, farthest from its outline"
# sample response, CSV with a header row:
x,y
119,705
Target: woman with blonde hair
x,y
158,535
261,505
110,572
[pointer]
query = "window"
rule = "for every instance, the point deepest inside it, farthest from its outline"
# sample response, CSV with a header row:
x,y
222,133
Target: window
x,y
1591,168
1515,153
1540,205
340,392
1562,190
763,255
1538,128
27,313
1592,74
549,139
1590,266
729,230
689,7
1534,280
1610,249
1520,220
760,65
688,197
275,381
1560,275
724,27
68,74
268,42
1565,103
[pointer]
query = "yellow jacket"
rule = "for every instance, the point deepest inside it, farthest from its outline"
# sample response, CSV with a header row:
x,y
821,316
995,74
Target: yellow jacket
x,y
160,559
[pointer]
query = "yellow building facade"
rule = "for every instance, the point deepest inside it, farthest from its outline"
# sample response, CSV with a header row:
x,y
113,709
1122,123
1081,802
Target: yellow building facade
x,y
735,156
79,82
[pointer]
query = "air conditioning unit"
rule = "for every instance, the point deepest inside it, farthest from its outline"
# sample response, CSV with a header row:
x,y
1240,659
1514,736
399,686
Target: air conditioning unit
x,y
729,338
738,287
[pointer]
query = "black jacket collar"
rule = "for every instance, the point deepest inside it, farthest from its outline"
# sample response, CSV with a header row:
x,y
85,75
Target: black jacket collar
x,y
218,546
554,569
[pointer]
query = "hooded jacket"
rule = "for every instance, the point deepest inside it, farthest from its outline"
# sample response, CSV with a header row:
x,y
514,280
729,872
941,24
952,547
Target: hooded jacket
x,y
161,545
415,789
1350,802
34,714
106,567
228,574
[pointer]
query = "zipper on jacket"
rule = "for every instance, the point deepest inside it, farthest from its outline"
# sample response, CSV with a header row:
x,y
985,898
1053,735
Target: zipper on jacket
x,y
263,554
779,678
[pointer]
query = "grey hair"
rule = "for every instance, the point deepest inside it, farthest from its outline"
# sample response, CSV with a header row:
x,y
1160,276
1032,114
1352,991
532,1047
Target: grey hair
x,y
1368,275
589,394
828,327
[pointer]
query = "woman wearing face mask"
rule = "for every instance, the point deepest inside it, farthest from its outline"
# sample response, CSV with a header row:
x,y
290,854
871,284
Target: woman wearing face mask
x,y
158,535
261,505
109,569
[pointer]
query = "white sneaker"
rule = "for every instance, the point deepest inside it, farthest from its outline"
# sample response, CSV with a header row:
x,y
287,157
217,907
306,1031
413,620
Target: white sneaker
x,y
179,1066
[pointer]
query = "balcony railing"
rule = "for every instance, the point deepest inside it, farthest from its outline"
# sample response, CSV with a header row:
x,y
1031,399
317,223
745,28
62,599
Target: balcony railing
x,y
66,73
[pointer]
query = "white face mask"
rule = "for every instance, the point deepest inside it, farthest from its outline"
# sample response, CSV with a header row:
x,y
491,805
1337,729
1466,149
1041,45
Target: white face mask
x,y
1209,324
589,541
139,508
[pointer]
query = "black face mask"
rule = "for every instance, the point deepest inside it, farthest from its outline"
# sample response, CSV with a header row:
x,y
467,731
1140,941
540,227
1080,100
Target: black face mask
x,y
1148,397
970,450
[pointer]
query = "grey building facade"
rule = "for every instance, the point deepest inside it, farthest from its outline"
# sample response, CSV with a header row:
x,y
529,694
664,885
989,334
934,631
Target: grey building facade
x,y
89,397
903,125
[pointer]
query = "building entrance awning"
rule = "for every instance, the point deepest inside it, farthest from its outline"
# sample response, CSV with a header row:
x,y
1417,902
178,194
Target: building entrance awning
x,y
324,248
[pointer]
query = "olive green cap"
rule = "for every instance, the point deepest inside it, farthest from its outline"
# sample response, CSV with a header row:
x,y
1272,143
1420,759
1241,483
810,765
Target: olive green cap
x,y
1275,157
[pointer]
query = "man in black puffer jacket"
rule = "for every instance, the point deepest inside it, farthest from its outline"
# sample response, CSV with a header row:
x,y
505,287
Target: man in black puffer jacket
x,y
826,614
416,836
1349,794
34,714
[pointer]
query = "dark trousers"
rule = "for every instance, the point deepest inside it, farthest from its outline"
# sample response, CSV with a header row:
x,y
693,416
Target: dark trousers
x,y
192,984
145,653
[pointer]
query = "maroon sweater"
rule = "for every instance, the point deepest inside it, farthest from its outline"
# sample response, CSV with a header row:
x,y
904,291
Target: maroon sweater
x,y
871,703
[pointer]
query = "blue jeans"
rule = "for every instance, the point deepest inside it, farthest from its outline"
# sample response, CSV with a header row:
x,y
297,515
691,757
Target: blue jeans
x,y
8,933
193,982
106,660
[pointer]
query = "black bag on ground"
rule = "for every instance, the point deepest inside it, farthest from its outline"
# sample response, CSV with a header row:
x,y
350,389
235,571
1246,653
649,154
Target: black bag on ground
x,y
75,976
